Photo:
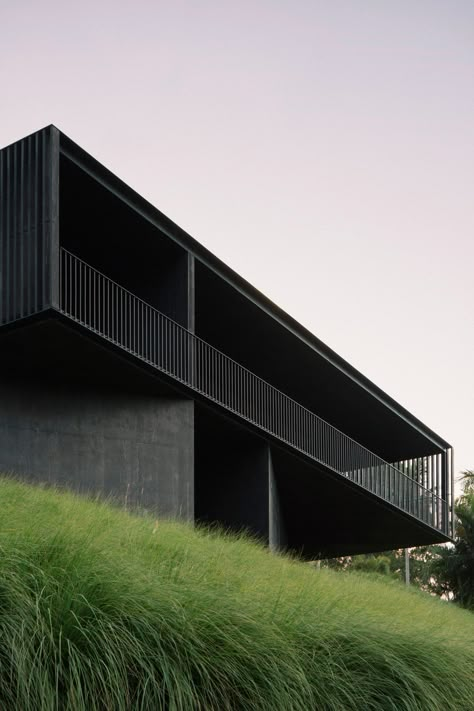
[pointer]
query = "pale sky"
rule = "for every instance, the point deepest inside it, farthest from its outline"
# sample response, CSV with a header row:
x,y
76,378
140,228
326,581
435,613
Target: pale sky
x,y
324,150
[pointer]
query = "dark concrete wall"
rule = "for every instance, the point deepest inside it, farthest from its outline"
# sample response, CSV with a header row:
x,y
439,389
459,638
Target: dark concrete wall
x,y
135,448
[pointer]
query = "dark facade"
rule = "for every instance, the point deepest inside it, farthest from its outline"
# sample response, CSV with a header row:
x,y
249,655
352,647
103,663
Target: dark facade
x,y
135,363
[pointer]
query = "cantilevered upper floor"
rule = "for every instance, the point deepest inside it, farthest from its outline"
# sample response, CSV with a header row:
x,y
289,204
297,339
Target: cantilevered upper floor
x,y
86,259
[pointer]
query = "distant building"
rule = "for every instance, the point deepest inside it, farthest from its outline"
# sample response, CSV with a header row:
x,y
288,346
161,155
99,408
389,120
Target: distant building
x,y
135,363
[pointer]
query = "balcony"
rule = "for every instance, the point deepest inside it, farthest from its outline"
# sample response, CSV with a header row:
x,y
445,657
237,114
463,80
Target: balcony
x,y
415,486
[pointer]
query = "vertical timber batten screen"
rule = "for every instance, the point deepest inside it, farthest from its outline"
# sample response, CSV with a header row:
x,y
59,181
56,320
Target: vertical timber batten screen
x,y
95,301
27,214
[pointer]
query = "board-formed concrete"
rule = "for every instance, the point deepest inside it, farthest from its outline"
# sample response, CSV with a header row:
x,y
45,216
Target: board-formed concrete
x,y
139,450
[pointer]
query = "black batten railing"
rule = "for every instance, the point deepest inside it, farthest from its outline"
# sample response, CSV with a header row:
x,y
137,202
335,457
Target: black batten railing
x,y
95,301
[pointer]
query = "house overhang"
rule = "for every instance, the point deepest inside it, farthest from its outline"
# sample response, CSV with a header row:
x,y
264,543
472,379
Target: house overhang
x,y
325,514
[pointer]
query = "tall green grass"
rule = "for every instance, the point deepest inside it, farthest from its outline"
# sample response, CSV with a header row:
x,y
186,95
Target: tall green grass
x,y
103,610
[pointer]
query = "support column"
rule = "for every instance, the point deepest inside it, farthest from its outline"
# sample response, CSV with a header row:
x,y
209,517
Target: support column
x,y
277,538
191,295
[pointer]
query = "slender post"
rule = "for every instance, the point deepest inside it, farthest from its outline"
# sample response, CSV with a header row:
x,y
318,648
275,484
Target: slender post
x,y
407,566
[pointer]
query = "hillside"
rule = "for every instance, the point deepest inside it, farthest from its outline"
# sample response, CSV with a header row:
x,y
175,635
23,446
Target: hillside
x,y
104,610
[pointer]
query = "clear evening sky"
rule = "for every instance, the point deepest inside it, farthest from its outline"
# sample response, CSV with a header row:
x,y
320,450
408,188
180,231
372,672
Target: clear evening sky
x,y
324,150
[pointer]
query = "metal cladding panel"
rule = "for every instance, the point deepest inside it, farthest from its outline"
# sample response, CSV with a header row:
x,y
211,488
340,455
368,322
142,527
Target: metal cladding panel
x,y
28,222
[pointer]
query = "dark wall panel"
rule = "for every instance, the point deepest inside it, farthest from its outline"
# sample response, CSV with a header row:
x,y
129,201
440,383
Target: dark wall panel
x,y
28,224
135,448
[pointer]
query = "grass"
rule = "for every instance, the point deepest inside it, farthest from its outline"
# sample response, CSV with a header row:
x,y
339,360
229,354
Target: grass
x,y
103,610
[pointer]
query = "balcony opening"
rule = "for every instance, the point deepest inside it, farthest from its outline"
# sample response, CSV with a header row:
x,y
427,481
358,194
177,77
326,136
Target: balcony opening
x,y
101,229
239,327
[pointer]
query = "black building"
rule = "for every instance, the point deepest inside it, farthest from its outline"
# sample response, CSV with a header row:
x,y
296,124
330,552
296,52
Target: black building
x,y
135,362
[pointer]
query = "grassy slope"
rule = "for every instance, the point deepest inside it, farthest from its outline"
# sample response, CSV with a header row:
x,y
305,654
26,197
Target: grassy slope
x,y
102,610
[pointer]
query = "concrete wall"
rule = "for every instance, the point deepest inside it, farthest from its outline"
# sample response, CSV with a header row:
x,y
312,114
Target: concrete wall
x,y
135,448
